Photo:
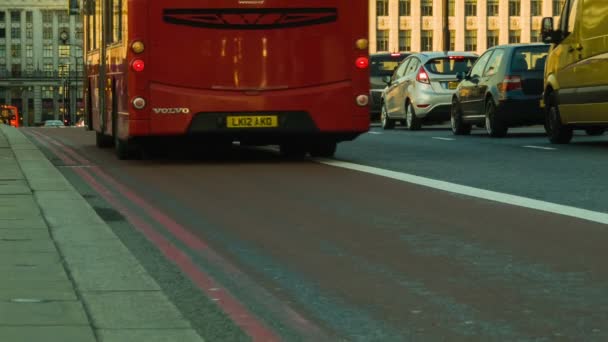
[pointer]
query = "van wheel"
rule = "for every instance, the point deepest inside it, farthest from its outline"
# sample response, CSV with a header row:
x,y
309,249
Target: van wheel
x,y
595,131
557,132
494,126
413,122
385,121
459,127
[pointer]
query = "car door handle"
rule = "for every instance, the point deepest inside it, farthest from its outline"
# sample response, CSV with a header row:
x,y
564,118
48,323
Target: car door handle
x,y
578,47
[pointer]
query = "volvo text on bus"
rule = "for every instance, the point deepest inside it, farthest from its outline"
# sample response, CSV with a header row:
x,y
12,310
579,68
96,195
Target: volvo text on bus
x,y
288,72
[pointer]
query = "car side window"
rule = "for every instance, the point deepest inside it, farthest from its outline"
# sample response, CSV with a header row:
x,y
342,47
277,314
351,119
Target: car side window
x,y
494,62
479,67
413,66
400,70
572,17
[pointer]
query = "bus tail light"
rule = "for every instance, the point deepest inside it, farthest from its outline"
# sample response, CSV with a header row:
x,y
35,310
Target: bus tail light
x,y
362,62
138,47
138,65
139,103
362,100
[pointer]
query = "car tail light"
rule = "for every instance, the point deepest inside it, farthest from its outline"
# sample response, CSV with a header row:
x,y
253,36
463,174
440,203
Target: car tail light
x,y
138,65
422,76
510,83
395,54
456,57
362,62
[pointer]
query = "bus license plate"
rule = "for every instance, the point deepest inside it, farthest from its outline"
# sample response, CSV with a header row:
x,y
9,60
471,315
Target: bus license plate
x,y
261,121
452,85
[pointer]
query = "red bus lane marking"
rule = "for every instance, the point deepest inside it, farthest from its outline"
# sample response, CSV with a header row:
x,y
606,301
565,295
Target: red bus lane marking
x,y
255,328
301,324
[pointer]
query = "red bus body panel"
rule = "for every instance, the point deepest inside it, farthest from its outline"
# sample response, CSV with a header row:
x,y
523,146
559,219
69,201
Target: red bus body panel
x,y
220,57
10,114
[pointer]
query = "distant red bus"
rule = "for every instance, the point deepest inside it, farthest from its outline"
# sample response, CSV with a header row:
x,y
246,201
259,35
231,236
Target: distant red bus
x,y
288,72
9,115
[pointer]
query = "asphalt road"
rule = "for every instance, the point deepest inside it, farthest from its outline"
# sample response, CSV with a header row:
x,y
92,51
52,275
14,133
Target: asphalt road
x,y
308,251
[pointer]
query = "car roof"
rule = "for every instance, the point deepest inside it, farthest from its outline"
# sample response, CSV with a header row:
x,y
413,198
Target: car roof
x,y
513,46
388,54
437,54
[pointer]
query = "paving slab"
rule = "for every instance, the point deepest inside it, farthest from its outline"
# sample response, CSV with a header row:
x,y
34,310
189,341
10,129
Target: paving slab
x,y
47,334
44,313
33,274
29,258
24,234
17,206
27,246
33,221
46,292
133,310
77,234
148,335
10,172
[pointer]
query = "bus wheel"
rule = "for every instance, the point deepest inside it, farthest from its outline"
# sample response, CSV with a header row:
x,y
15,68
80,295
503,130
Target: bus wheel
x,y
324,150
125,149
102,140
292,150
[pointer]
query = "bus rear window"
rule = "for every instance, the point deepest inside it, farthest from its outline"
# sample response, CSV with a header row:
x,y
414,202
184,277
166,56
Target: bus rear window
x,y
449,65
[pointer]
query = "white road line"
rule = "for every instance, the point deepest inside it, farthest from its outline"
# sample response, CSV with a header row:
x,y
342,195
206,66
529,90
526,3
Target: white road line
x,y
540,147
519,201
441,138
371,132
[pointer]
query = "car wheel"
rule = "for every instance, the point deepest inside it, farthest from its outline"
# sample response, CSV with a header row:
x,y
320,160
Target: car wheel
x,y
459,127
385,121
557,132
412,121
595,131
495,127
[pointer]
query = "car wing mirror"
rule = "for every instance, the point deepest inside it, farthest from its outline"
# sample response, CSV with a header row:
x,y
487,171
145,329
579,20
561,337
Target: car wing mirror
x,y
387,79
548,34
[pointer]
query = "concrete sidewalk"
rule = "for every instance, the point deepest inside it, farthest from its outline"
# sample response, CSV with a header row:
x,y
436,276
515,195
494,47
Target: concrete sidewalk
x,y
64,275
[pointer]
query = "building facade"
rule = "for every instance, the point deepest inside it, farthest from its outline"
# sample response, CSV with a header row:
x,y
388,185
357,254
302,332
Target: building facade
x,y
475,25
40,59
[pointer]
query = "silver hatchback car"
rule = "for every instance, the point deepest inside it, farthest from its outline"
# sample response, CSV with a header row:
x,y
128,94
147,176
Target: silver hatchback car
x,y
420,90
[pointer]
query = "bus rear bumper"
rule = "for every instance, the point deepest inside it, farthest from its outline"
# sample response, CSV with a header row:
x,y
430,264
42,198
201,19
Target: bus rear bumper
x,y
328,110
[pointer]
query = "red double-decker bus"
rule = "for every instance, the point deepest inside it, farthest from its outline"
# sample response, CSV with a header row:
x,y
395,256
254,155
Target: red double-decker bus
x,y
262,72
9,115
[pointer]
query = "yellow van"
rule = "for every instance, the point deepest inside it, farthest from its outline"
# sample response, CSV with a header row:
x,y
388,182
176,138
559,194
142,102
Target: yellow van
x,y
576,73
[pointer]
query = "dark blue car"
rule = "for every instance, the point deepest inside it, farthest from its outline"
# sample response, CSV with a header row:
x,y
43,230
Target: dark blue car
x,y
503,89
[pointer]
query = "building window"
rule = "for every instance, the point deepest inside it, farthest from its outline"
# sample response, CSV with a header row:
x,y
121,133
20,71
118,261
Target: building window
x,y
493,8
535,36
16,50
29,33
514,8
557,7
47,17
47,33
405,8
2,50
64,50
47,92
28,17
536,8
117,20
470,8
470,40
452,8
16,32
48,70
382,8
2,16
405,40
16,70
452,40
382,40
29,51
426,40
426,8
63,18
2,32
514,36
15,17
492,38
47,51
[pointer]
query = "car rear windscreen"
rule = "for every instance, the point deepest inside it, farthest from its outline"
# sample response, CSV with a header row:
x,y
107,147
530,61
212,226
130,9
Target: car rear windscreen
x,y
450,65
384,65
529,58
